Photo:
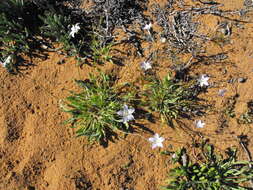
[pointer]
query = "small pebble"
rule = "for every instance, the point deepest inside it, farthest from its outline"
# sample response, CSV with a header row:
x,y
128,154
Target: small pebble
x,y
241,80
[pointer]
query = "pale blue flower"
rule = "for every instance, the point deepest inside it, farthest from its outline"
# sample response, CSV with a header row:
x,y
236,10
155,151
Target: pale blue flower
x,y
126,114
222,92
147,26
156,141
146,65
199,124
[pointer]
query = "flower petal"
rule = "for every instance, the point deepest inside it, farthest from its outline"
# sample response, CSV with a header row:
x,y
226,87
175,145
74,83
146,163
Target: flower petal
x,y
151,139
205,83
154,145
129,117
161,139
120,113
125,107
159,144
131,110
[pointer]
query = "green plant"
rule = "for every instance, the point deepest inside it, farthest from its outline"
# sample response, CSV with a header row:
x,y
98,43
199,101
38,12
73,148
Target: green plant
x,y
61,26
94,110
214,173
14,41
74,37
230,106
170,99
100,51
19,25
247,117
56,26
14,9
14,34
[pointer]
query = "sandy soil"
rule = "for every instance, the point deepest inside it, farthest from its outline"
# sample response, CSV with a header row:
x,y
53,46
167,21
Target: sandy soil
x,y
37,152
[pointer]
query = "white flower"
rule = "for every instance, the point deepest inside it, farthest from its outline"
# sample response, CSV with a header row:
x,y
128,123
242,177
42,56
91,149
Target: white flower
x,y
74,29
199,124
203,80
146,65
7,61
163,40
126,114
156,141
147,26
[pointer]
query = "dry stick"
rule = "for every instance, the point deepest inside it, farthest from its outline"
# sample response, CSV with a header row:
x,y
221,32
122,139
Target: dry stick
x,y
231,19
246,150
151,36
215,11
129,36
208,3
188,64
107,22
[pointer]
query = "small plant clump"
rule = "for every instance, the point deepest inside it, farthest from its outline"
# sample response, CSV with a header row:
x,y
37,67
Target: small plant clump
x,y
214,173
16,31
58,27
171,99
97,110
247,117
100,50
26,26
230,106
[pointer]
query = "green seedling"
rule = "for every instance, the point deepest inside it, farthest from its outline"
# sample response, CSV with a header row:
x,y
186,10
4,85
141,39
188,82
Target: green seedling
x,y
247,117
170,99
56,27
214,173
96,111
